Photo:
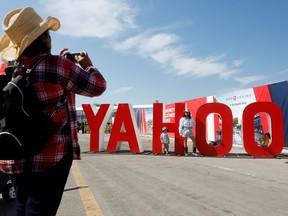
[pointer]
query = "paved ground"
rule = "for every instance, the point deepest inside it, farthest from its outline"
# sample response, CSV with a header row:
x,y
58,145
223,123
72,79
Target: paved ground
x,y
121,184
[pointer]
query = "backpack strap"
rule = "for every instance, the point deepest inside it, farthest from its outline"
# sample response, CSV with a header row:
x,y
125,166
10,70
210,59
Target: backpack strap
x,y
62,100
28,71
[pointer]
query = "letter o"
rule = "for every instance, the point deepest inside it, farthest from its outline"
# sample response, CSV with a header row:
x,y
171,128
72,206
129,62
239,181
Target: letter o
x,y
227,129
277,129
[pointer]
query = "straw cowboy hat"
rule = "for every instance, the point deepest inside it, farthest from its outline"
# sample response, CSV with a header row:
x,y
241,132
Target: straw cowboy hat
x,y
23,26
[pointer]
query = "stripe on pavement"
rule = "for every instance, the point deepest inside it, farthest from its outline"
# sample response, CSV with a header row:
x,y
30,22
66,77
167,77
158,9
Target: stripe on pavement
x,y
91,206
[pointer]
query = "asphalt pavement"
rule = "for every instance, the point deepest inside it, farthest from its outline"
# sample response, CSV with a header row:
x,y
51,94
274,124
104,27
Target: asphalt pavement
x,y
118,184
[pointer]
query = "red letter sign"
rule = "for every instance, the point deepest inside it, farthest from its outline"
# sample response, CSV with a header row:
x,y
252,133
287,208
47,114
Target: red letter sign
x,y
172,127
227,129
277,129
97,124
125,129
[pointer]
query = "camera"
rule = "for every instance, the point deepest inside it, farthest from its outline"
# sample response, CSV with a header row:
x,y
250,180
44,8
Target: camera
x,y
71,56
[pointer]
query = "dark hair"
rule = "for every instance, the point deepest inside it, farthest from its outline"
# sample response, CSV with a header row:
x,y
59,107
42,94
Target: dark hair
x,y
268,135
189,116
37,46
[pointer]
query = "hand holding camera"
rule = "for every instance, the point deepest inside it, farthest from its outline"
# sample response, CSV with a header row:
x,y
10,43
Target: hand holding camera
x,y
81,58
73,56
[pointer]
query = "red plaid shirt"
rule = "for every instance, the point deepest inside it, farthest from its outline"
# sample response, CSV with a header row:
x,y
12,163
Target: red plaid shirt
x,y
51,77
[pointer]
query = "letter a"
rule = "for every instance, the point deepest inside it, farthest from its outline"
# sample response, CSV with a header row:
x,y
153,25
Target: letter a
x,y
125,129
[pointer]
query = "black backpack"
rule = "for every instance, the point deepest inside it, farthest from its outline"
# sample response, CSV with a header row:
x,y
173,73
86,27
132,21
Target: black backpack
x,y
24,129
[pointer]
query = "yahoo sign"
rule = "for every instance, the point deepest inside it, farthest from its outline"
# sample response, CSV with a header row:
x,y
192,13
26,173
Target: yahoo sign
x,y
125,128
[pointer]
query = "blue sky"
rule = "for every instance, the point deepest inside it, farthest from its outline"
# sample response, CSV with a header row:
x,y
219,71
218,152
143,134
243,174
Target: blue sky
x,y
172,51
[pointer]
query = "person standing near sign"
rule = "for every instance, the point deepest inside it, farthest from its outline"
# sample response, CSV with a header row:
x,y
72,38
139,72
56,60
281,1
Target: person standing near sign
x,y
165,140
186,124
39,180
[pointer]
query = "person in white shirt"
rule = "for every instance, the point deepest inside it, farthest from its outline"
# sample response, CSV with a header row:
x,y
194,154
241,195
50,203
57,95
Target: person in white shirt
x,y
165,140
186,125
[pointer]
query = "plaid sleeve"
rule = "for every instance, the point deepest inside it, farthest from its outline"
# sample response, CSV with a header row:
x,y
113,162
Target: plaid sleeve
x,y
88,82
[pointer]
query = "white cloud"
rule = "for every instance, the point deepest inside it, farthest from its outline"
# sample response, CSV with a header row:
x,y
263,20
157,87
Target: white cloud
x,y
238,62
110,18
157,42
92,18
164,49
146,44
249,79
197,67
121,90
163,56
228,73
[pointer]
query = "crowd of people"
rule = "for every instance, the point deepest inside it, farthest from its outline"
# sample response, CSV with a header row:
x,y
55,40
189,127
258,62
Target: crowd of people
x,y
83,127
